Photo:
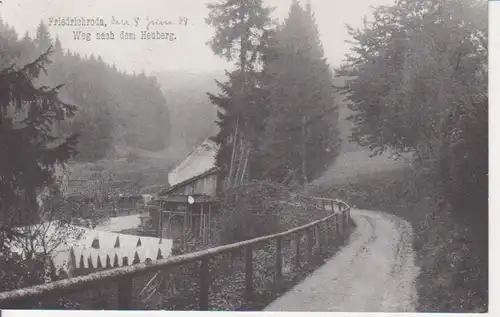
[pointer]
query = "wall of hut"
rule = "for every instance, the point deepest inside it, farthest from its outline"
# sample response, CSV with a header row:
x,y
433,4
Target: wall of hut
x,y
206,185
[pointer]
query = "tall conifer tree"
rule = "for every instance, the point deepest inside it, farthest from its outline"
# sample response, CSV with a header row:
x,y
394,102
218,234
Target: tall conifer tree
x,y
29,150
240,32
301,131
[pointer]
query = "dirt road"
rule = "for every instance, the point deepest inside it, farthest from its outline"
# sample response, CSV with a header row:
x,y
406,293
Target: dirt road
x,y
374,272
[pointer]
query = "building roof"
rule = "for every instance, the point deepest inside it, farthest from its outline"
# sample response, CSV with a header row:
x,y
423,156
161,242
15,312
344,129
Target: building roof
x,y
211,171
199,161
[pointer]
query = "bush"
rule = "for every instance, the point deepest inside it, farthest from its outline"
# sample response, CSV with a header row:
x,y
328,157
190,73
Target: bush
x,y
261,208
251,211
464,163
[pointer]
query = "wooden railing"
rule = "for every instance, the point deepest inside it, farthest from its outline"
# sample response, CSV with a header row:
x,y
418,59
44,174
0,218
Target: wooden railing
x,y
339,214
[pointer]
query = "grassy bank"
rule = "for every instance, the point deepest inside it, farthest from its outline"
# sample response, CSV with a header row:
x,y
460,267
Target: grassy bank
x,y
451,253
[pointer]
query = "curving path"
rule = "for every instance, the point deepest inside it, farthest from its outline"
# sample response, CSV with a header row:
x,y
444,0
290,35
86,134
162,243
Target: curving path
x,y
374,272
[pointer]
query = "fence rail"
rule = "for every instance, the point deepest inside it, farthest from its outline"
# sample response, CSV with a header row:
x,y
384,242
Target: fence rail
x,y
122,277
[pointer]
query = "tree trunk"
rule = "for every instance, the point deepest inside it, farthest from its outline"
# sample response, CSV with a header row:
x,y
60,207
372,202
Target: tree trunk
x,y
304,154
240,160
231,164
243,175
243,49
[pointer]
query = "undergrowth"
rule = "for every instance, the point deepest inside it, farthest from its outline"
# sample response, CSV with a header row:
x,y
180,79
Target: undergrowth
x,y
255,209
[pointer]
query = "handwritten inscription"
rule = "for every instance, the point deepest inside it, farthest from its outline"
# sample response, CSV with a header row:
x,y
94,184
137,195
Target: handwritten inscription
x,y
76,21
110,35
141,28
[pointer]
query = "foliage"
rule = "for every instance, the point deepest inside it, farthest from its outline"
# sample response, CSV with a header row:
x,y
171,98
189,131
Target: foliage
x,y
300,135
421,87
252,210
52,231
464,165
112,107
29,149
241,32
277,110
260,208
413,70
17,272
250,119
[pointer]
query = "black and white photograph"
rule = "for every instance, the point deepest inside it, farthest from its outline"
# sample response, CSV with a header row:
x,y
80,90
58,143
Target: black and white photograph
x,y
244,155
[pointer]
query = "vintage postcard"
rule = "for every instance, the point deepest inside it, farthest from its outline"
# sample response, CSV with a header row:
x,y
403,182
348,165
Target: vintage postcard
x,y
244,155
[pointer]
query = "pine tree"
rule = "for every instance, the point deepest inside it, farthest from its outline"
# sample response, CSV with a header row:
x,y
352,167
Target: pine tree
x,y
58,50
240,33
28,149
43,40
301,136
239,29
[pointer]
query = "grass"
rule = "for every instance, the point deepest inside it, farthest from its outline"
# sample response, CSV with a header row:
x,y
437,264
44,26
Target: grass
x,y
148,171
452,255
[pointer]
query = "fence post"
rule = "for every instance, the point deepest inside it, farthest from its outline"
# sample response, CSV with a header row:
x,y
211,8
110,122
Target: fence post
x,y
316,238
337,226
248,271
309,246
204,278
344,217
330,230
342,221
125,293
297,250
279,258
332,204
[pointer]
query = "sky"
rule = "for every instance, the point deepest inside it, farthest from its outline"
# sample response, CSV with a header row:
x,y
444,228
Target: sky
x,y
188,52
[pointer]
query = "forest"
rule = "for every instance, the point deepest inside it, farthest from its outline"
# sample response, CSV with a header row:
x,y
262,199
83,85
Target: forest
x,y
114,108
415,82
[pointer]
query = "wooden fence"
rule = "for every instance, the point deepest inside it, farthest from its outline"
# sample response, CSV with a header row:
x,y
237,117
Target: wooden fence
x,y
338,215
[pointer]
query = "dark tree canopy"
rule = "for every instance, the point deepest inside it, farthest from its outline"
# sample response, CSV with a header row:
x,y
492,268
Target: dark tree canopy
x,y
301,134
30,150
29,153
241,30
112,108
281,104
419,85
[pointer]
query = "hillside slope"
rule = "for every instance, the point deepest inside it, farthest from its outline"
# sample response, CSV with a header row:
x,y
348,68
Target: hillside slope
x,y
192,115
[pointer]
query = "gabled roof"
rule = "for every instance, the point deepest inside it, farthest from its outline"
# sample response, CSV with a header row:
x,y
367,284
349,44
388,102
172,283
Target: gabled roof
x,y
199,161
